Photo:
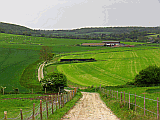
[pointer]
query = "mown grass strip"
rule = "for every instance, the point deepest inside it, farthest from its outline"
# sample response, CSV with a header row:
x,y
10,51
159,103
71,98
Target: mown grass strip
x,y
58,114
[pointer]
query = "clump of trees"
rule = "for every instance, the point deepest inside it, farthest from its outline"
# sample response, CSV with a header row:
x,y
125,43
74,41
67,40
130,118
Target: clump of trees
x,y
46,53
53,81
148,77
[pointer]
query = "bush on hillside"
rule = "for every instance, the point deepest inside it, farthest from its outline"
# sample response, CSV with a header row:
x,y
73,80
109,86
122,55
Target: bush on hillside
x,y
53,81
148,77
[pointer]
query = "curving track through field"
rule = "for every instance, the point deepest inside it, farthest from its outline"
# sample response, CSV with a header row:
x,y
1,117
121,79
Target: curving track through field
x,y
40,71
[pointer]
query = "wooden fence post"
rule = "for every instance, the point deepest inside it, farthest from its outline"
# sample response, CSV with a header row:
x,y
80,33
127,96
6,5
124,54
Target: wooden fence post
x,y
3,91
52,101
47,108
5,115
45,90
110,93
117,95
135,101
59,101
72,93
124,97
67,96
32,90
144,105
75,90
21,114
41,109
121,96
63,99
129,101
157,109
33,111
96,87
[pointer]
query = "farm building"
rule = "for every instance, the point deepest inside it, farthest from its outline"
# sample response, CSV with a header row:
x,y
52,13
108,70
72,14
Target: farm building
x,y
104,43
93,44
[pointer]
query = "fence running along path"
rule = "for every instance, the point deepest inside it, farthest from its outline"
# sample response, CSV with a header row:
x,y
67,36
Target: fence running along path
x,y
133,99
46,107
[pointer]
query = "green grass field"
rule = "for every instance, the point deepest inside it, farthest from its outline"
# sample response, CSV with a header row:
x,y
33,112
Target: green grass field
x,y
13,62
112,68
58,45
18,51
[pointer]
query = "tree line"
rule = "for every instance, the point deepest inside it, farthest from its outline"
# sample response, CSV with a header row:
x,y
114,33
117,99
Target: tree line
x,y
102,33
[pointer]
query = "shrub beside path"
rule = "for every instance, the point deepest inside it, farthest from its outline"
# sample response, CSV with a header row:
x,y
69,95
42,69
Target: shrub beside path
x,y
90,106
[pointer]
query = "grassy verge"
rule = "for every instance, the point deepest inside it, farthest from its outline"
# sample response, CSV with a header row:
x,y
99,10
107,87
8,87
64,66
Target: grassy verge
x,y
57,115
122,112
29,77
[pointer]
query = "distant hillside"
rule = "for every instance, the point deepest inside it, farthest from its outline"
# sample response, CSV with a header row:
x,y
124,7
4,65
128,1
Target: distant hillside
x,y
93,33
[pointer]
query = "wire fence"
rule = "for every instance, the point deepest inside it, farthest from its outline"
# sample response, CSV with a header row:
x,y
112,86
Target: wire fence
x,y
46,107
134,102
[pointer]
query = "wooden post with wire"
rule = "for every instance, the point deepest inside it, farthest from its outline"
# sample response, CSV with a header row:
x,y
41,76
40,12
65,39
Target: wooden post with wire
x,y
72,93
135,101
59,101
41,109
121,96
45,90
129,101
32,90
157,109
21,114
67,97
124,98
47,108
5,115
52,102
62,100
33,118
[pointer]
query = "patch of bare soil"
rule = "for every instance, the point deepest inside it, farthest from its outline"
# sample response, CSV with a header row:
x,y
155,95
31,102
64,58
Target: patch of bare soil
x,y
90,106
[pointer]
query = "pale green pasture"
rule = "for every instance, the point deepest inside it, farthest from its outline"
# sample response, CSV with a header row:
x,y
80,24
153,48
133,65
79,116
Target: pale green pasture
x,y
113,68
153,35
109,49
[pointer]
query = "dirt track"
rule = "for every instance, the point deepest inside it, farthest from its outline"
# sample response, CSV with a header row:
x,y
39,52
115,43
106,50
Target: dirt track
x,y
40,71
90,106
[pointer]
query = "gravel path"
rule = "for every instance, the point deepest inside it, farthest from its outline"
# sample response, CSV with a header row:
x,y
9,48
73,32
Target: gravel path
x,y
40,71
90,107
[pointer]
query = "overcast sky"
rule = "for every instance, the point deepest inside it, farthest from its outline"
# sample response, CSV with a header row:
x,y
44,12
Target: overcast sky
x,y
71,14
